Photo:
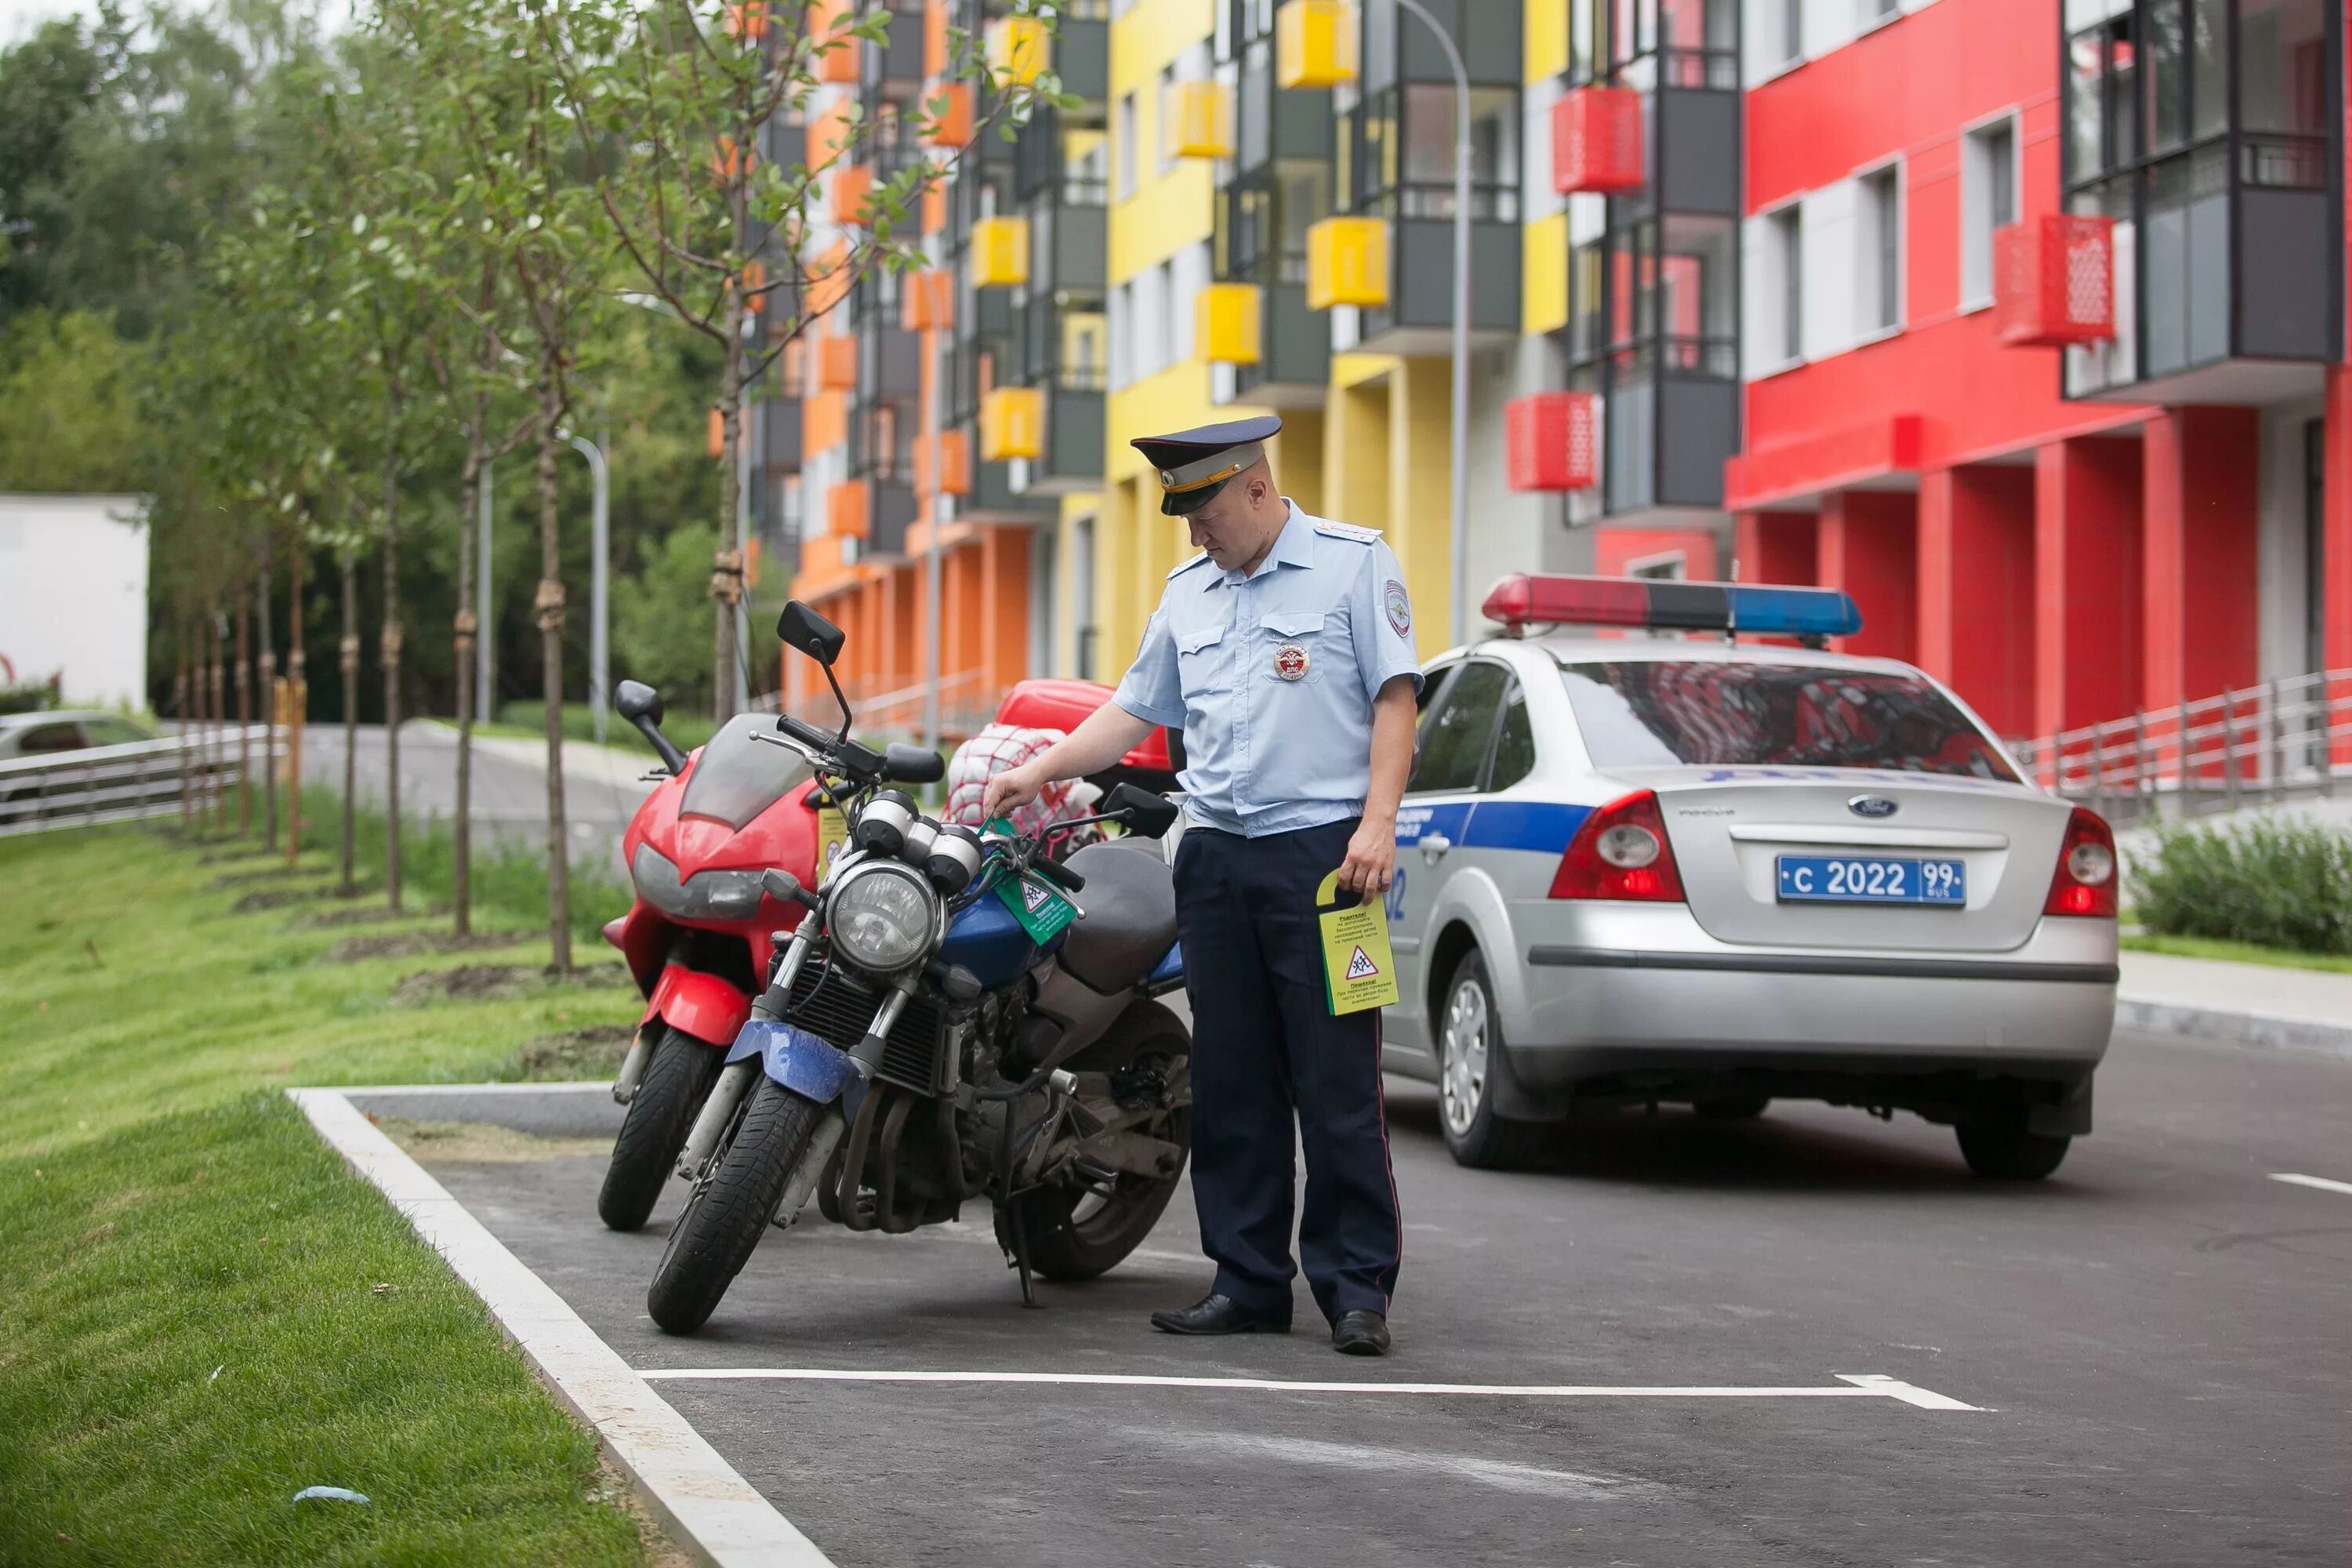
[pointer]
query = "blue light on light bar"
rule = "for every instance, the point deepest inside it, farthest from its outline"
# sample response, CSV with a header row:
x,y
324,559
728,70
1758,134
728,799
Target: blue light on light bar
x,y
1663,604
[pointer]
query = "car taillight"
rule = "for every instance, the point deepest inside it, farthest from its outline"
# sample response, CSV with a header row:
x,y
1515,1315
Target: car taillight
x,y
1621,852
2085,880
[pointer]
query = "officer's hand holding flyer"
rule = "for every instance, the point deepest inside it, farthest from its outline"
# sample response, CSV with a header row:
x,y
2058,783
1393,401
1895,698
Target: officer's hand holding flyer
x,y
1358,971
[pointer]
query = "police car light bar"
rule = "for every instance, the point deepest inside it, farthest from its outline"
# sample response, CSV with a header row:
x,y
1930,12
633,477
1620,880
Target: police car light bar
x,y
1527,599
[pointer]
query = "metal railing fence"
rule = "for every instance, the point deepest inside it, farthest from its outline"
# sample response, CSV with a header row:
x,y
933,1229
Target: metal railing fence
x,y
190,771
2280,740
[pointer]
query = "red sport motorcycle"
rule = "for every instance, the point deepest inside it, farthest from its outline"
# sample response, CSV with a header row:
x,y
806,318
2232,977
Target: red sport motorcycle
x,y
699,935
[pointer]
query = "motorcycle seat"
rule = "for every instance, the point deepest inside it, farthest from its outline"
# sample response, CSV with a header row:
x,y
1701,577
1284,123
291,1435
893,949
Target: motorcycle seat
x,y
1131,904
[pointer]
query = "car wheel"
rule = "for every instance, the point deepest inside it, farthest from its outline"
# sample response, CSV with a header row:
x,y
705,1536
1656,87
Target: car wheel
x,y
1733,1106
2005,1151
1469,1057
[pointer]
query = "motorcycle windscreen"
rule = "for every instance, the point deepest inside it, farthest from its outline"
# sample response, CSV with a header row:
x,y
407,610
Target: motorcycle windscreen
x,y
736,777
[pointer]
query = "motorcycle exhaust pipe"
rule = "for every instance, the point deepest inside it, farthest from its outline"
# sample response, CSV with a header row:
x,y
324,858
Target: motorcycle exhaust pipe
x,y
717,1112
633,1067
801,1185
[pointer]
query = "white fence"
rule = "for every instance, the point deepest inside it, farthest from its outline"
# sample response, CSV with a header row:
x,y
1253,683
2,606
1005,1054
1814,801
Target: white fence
x,y
188,772
2268,743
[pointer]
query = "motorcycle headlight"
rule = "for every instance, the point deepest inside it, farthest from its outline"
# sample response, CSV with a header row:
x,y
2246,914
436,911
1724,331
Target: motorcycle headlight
x,y
882,915
705,896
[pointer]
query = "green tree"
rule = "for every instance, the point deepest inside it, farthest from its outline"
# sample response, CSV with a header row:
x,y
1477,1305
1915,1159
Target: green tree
x,y
68,403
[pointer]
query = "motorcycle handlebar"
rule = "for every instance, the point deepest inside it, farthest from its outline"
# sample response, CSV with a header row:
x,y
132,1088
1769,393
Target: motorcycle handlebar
x,y
1055,871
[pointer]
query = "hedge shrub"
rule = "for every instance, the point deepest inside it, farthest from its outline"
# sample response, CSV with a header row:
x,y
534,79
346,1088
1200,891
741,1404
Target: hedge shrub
x,y
2278,883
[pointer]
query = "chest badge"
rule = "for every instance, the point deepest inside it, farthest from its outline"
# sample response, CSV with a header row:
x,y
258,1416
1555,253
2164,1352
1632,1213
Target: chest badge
x,y
1290,662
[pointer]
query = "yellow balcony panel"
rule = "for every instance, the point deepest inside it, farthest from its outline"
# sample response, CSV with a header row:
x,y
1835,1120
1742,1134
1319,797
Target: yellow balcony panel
x,y
1347,262
1018,49
1000,252
1013,424
1315,43
1225,323
1201,120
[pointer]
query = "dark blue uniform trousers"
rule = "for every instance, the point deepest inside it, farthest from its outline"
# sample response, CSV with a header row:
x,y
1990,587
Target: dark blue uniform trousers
x,y
1266,1049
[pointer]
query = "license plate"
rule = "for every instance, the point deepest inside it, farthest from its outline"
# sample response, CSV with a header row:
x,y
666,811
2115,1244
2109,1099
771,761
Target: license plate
x,y
1872,880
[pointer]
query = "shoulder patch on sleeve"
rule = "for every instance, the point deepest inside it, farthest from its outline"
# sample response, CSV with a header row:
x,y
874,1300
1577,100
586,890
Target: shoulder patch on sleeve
x,y
1349,532
1184,566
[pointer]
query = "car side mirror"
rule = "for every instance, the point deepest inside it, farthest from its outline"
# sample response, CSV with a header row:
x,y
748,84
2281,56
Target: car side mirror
x,y
634,701
1145,812
804,629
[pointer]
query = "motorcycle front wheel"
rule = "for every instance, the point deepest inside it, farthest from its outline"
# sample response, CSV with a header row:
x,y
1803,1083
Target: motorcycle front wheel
x,y
668,1098
731,1207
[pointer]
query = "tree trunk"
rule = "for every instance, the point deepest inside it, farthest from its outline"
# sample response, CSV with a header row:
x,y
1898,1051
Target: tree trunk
x,y
269,702
727,568
217,683
244,720
390,646
551,638
297,682
461,833
180,710
349,651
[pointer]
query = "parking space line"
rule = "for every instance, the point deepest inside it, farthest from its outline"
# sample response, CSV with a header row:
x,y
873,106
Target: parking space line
x,y
2322,1183
707,1505
1850,1385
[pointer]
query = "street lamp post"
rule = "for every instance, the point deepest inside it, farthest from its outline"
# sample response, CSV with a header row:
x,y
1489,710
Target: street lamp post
x,y
600,586
1460,630
934,417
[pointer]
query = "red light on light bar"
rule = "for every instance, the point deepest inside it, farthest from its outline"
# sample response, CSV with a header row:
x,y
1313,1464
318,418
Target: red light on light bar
x,y
1520,599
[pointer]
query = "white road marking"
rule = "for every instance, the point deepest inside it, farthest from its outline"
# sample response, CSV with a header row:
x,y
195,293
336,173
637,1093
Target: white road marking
x,y
2322,1183
1503,1475
1856,1386
681,1476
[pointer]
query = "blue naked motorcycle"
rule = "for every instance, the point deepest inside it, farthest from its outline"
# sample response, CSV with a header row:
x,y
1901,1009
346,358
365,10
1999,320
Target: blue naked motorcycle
x,y
946,1021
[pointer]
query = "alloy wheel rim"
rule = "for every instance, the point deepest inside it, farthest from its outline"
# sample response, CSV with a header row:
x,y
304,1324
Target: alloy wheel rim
x,y
1462,1082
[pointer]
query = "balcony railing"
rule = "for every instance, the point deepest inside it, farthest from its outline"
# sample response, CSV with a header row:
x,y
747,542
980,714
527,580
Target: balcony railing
x,y
1710,70
2266,743
2276,161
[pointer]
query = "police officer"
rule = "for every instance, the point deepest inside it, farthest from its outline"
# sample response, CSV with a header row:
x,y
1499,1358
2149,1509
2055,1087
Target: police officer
x,y
1285,653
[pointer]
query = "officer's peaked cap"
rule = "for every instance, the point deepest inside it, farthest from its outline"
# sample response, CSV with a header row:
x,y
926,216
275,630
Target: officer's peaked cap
x,y
1193,466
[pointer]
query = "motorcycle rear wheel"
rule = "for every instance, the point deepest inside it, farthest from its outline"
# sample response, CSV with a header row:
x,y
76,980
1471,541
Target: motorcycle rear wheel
x,y
731,1208
676,1082
1076,1234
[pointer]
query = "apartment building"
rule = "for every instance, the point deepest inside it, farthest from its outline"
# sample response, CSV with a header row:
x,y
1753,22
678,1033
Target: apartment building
x,y
2022,320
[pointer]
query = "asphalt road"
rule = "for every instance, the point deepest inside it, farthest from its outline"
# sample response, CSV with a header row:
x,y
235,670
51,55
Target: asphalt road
x,y
2157,1342
602,787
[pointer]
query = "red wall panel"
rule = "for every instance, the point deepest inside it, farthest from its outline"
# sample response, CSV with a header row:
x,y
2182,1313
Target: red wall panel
x,y
2201,585
1976,588
1870,547
2086,653
1776,547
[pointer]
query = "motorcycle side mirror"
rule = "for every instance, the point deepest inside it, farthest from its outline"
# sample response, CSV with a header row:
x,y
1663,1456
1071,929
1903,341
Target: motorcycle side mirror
x,y
912,764
1147,814
784,887
641,705
633,700
804,629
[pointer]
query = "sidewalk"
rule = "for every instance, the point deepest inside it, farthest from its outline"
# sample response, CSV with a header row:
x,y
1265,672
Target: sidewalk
x,y
2254,1004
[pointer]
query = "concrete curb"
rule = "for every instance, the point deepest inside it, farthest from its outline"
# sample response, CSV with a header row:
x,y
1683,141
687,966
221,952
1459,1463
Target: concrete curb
x,y
706,1506
2266,1031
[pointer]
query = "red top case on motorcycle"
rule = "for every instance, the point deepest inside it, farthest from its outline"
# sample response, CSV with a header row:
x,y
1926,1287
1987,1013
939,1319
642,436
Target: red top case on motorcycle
x,y
1050,704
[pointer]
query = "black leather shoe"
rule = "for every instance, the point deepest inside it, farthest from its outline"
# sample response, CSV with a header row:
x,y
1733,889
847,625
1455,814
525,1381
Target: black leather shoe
x,y
1215,1314
1360,1333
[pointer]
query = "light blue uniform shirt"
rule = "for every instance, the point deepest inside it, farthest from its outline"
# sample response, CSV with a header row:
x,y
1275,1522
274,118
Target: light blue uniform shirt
x,y
1266,754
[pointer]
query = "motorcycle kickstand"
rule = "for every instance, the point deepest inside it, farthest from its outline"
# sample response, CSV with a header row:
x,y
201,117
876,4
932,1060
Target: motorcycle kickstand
x,y
1020,1250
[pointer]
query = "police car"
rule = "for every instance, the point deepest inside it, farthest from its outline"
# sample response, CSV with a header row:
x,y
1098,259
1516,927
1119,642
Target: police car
x,y
1713,872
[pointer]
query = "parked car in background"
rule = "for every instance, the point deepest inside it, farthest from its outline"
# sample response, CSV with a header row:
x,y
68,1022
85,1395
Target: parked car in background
x,y
1632,870
66,730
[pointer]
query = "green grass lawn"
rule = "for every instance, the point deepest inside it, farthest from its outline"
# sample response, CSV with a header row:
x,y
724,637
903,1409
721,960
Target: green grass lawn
x,y
2236,952
165,1212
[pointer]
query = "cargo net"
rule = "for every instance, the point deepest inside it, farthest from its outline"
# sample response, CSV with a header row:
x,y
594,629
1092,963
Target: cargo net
x,y
1000,746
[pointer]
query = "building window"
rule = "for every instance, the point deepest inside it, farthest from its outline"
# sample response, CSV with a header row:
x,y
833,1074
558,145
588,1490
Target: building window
x,y
1881,272
1987,204
1126,150
1171,117
1792,30
1786,237
1401,152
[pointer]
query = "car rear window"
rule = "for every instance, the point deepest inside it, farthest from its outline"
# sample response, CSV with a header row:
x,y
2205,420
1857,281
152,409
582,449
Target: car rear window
x,y
1660,712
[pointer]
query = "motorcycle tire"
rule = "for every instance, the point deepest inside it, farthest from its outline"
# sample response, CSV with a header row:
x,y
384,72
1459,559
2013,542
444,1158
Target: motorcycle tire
x,y
668,1098
1071,1238
731,1208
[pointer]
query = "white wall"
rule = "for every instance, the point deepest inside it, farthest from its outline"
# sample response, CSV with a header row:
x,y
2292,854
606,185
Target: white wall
x,y
73,595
